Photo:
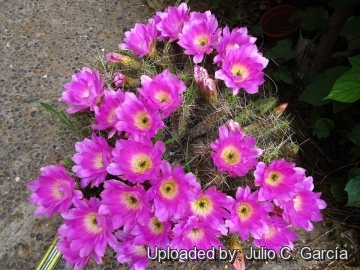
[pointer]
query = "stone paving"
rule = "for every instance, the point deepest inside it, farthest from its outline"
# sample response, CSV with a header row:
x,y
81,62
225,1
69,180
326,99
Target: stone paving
x,y
42,43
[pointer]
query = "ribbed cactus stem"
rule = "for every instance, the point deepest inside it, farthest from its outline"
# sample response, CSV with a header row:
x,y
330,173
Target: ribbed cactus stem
x,y
183,122
208,123
131,82
179,121
261,127
259,107
267,105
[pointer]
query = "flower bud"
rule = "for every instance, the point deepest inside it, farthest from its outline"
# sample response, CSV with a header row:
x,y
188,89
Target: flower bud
x,y
207,85
123,60
232,125
118,58
119,79
280,108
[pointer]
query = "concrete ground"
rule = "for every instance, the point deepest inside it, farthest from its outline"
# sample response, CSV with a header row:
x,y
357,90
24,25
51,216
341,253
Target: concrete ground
x,y
42,43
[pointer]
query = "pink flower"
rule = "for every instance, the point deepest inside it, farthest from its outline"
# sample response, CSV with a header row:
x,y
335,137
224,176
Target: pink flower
x,y
141,39
127,205
199,35
303,208
247,213
305,183
242,68
85,233
105,113
137,117
230,40
92,159
136,161
171,22
197,17
192,233
54,191
235,153
131,253
211,207
278,181
171,192
153,233
277,235
71,257
83,91
162,92
207,85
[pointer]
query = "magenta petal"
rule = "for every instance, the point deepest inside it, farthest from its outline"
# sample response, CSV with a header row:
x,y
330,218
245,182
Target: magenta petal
x,y
84,90
77,248
234,153
53,191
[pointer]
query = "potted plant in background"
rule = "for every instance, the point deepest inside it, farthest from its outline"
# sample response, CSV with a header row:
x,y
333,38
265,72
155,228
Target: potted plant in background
x,y
277,26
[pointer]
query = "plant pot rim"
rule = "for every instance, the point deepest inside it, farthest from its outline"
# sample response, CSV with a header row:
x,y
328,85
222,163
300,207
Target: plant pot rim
x,y
273,11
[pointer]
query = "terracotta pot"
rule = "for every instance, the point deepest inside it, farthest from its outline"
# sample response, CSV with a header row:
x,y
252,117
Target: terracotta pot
x,y
276,26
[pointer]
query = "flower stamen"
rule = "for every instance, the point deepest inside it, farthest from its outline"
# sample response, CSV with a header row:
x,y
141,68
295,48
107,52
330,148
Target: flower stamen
x,y
169,189
274,178
156,226
231,155
91,223
238,70
202,206
162,96
244,211
196,234
202,41
142,120
141,163
130,201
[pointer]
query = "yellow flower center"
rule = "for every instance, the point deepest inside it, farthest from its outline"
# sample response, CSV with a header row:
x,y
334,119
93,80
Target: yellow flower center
x,y
130,201
231,155
98,161
169,189
156,226
110,117
270,234
140,163
244,211
202,41
91,224
140,250
297,203
196,235
241,71
202,206
274,178
142,120
55,189
162,96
